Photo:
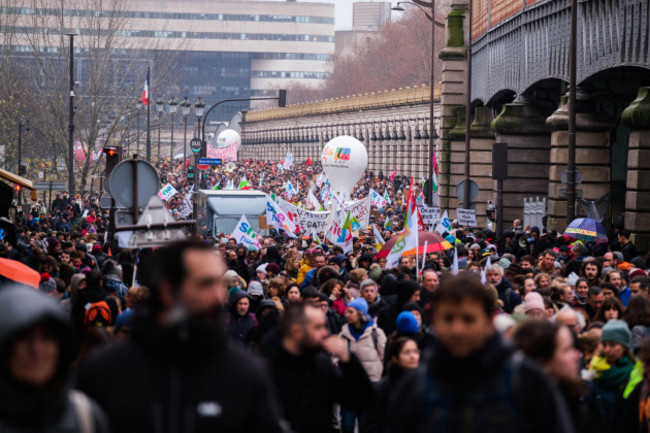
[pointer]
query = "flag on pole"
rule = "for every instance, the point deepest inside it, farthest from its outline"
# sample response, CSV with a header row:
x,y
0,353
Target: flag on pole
x,y
412,210
291,191
444,225
454,265
244,184
314,236
387,225
379,239
145,91
436,173
313,201
407,240
387,197
288,160
488,262
392,176
308,162
261,180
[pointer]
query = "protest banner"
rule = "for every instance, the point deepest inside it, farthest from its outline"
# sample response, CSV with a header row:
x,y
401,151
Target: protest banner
x,y
167,192
430,215
466,217
244,234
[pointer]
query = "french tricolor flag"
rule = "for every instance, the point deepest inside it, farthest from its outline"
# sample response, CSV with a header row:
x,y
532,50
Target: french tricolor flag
x,y
145,92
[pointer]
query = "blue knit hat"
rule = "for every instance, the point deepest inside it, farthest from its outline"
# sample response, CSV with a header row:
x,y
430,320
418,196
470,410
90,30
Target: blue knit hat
x,y
616,331
407,323
360,305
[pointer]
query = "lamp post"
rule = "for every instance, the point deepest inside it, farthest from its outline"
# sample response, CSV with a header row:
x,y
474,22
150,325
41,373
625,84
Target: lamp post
x,y
160,107
571,157
185,111
71,117
432,129
173,105
20,172
138,107
199,106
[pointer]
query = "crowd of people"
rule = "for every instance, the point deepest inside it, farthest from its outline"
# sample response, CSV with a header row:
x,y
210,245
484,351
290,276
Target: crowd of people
x,y
548,334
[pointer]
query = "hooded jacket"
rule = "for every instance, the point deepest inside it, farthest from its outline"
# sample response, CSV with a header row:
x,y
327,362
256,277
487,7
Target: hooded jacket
x,y
238,325
51,408
488,392
185,377
387,317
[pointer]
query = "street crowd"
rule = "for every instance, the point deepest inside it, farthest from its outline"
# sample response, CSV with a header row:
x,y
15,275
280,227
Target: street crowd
x,y
528,331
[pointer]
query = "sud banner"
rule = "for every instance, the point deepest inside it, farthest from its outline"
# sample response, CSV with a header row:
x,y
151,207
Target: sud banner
x,y
244,234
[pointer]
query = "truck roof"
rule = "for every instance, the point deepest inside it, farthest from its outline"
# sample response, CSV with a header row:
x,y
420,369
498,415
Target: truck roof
x,y
238,192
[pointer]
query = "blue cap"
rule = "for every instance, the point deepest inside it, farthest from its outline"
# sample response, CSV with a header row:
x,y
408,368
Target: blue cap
x,y
407,323
360,305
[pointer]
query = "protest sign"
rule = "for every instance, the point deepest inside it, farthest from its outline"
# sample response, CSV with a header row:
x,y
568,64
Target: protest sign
x,y
244,234
430,215
167,192
466,217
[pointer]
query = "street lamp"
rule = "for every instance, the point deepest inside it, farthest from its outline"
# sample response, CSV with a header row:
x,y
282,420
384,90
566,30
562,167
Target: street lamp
x,y
20,170
432,129
173,105
71,116
186,105
160,106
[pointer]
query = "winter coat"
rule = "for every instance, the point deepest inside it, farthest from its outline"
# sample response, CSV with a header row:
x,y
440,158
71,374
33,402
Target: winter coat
x,y
307,386
186,377
302,272
487,392
51,408
369,348
508,295
239,326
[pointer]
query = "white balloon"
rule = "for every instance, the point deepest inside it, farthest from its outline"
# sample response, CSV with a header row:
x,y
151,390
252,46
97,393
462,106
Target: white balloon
x,y
228,137
344,160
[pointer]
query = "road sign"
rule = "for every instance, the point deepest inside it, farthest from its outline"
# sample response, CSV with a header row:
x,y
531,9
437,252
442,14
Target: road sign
x,y
202,166
473,190
564,178
210,161
50,186
195,145
122,182
562,193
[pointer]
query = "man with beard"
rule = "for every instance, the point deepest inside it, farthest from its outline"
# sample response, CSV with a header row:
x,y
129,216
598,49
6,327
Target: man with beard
x,y
591,271
179,371
307,382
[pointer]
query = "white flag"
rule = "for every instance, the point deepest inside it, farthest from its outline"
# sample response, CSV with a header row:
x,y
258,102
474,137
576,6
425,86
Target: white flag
x,y
454,265
444,225
379,239
244,234
313,201
488,262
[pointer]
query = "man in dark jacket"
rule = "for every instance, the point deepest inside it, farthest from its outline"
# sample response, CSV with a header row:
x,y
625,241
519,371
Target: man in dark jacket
x,y
179,372
472,381
307,382
509,297
387,318
240,319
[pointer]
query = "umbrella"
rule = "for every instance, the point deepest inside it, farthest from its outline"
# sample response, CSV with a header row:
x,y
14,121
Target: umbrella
x,y
18,272
586,229
434,243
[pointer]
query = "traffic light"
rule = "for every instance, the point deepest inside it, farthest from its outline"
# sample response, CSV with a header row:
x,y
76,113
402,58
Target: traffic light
x,y
282,98
17,188
190,173
22,171
113,157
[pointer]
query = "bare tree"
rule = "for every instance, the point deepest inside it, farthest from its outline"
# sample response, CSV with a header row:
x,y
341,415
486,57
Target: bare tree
x,y
111,60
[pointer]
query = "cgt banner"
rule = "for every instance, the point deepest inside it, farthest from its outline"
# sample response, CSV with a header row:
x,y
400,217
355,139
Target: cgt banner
x,y
244,234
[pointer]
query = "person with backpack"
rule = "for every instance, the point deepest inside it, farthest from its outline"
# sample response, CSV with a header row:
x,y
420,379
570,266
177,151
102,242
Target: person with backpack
x,y
470,380
37,349
366,340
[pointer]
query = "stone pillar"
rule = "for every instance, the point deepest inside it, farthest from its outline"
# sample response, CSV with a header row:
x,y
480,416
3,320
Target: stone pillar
x,y
452,162
454,66
522,125
593,127
482,138
637,197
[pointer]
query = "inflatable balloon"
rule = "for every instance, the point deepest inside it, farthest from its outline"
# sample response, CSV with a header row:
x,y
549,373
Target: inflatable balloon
x,y
228,137
344,160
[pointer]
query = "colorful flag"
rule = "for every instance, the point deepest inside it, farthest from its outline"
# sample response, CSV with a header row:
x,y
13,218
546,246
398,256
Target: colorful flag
x,y
244,234
436,173
291,191
407,240
354,224
379,239
387,225
288,161
145,91
315,237
412,210
444,225
387,197
308,162
277,218
244,185
261,180
377,200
